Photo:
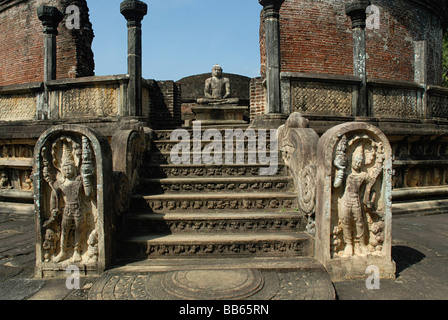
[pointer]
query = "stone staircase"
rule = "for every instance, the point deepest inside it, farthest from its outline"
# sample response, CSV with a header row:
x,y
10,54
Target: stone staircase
x,y
212,210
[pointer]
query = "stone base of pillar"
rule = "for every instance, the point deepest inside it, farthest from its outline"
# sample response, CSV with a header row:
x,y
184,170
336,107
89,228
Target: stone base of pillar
x,y
269,121
220,115
355,268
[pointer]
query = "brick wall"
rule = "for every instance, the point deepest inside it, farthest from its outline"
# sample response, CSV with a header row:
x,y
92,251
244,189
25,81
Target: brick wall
x,y
21,42
316,38
257,97
165,105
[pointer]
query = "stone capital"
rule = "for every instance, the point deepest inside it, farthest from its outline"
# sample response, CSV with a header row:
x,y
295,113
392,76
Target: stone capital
x,y
271,7
50,17
133,11
356,10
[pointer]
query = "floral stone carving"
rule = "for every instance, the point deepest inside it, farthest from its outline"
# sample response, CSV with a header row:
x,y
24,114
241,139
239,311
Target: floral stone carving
x,y
353,207
73,179
298,146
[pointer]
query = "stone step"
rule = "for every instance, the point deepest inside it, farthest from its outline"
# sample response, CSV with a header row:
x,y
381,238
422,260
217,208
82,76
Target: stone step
x,y
225,184
16,210
194,245
166,134
241,202
206,223
13,195
214,158
217,263
233,146
202,170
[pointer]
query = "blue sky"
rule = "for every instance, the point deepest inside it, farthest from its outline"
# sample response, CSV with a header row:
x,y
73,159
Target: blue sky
x,y
180,37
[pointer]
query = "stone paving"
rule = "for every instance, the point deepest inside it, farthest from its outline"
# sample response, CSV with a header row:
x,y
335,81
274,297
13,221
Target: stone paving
x,y
420,250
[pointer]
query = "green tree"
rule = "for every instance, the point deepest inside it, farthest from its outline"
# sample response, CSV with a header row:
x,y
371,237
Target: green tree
x,y
445,60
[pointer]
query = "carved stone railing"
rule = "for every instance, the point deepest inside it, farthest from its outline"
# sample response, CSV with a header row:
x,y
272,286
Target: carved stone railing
x,y
438,101
20,102
100,98
314,94
325,95
396,99
298,147
92,97
96,97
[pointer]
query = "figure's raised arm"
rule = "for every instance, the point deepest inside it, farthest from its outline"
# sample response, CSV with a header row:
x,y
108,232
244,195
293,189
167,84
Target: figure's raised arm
x,y
87,167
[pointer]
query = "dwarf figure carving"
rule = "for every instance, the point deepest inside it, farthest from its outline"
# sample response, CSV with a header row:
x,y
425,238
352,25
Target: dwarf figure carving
x,y
92,251
4,180
49,244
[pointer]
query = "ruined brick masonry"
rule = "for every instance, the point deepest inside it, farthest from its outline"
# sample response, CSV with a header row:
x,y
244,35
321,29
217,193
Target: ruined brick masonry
x,y
21,42
316,37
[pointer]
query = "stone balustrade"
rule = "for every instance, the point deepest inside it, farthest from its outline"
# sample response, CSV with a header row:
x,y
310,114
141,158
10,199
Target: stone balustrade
x,y
333,95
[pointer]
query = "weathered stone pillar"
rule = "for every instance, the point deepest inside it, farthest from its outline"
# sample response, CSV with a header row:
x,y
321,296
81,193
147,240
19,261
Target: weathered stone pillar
x,y
134,11
272,34
274,117
50,17
356,10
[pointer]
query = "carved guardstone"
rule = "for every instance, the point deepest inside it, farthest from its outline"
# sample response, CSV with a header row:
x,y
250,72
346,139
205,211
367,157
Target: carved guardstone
x,y
217,107
354,201
74,216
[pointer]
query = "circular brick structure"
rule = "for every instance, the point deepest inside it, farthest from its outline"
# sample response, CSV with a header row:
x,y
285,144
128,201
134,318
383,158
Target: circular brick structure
x,y
316,37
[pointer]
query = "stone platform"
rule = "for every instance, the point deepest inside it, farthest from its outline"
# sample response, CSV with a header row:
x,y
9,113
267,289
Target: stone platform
x,y
227,114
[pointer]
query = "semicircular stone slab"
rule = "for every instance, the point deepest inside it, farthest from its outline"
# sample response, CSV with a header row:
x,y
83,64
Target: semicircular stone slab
x,y
213,284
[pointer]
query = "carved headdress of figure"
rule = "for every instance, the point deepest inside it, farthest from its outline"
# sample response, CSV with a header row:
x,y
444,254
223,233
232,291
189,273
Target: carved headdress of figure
x,y
358,154
63,150
67,156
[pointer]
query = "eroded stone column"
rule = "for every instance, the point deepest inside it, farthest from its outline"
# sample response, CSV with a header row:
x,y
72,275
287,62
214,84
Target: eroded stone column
x,y
134,11
272,34
50,17
356,10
